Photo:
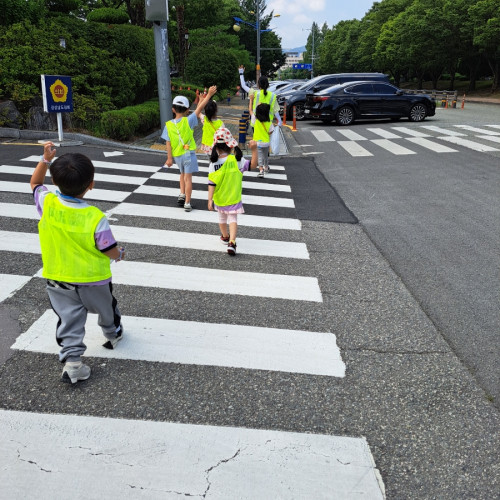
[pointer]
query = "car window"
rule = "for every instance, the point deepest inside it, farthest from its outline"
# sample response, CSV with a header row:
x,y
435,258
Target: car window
x,y
362,88
382,88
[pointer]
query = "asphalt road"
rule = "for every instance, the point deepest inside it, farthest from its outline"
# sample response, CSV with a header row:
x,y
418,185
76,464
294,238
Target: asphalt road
x,y
428,421
435,218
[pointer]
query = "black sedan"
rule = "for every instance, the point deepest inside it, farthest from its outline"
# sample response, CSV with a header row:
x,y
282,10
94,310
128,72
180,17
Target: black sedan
x,y
348,102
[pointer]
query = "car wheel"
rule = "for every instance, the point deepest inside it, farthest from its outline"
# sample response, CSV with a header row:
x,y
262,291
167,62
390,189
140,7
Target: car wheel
x,y
345,115
417,113
299,111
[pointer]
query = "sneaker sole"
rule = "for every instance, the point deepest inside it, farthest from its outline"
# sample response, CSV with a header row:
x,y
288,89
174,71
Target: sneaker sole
x,y
68,380
231,251
111,344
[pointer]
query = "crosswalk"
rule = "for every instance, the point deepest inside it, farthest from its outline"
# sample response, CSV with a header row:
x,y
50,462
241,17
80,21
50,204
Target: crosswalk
x,y
158,459
404,141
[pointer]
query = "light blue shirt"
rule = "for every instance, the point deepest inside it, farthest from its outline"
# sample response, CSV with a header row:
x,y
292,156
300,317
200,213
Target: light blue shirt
x,y
192,122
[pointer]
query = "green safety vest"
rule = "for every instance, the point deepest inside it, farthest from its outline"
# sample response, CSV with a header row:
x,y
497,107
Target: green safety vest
x,y
260,98
261,131
209,129
228,182
179,134
68,246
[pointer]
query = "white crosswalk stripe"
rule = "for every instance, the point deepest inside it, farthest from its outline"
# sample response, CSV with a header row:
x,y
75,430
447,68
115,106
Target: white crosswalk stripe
x,y
130,459
311,464
420,135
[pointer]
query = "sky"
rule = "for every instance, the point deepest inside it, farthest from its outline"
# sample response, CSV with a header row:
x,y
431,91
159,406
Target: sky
x,y
296,15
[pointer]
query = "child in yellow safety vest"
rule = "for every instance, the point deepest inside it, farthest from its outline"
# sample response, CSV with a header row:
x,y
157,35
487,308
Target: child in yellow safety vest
x,y
77,246
225,183
262,130
210,125
181,146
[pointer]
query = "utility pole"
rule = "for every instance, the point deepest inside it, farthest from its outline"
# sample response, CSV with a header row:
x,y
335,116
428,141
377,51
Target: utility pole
x,y
257,24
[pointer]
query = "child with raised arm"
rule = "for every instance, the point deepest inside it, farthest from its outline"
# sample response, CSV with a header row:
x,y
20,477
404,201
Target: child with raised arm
x,y
77,247
210,125
225,182
181,146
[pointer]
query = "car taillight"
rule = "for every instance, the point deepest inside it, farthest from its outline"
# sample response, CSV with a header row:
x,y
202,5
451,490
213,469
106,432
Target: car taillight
x,y
320,99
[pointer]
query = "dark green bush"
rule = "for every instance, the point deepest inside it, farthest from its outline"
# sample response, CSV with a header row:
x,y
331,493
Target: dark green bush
x,y
124,123
108,16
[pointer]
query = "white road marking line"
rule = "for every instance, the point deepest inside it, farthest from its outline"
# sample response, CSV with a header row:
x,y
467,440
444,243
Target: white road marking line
x,y
136,458
444,131
202,195
18,211
112,153
322,136
494,126
10,283
354,149
351,135
382,132
177,213
119,179
113,165
30,212
410,131
94,194
493,138
264,186
14,241
477,130
392,147
198,279
476,146
197,241
313,153
196,343
433,146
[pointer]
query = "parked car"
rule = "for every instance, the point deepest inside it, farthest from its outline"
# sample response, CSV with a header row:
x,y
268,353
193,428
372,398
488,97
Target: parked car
x,y
297,97
274,86
350,101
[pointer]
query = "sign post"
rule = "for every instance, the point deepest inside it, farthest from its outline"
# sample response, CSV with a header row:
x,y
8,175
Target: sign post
x,y
57,98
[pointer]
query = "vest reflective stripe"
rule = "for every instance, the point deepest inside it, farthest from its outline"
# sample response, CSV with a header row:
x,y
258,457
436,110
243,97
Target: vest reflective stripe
x,y
260,98
183,129
68,246
209,129
261,131
228,182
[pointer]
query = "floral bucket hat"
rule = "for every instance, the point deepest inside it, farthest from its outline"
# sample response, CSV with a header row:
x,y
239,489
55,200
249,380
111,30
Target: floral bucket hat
x,y
223,136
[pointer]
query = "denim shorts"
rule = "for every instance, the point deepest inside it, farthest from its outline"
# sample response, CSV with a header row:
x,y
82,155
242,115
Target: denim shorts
x,y
187,163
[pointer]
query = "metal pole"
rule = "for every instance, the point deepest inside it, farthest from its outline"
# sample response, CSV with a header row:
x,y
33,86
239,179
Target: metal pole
x,y
163,71
60,126
312,58
258,41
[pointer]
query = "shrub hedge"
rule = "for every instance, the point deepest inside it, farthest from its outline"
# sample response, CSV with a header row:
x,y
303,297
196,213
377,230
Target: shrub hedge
x,y
108,16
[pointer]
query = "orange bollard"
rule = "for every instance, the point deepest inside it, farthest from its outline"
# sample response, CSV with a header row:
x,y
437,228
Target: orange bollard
x,y
463,102
294,128
284,113
446,103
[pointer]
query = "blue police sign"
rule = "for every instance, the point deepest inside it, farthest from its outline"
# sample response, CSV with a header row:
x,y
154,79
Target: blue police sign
x,y
302,66
57,94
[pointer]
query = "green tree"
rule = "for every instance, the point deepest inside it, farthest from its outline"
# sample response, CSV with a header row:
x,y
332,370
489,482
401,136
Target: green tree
x,y
486,18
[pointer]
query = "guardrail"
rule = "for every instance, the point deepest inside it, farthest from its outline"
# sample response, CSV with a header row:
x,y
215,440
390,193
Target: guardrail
x,y
440,96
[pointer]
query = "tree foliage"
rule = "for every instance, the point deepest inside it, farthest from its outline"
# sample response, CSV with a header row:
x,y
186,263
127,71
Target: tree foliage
x,y
418,39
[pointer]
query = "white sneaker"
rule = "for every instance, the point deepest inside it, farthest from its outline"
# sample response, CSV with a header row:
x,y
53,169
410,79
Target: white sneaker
x,y
261,174
188,207
74,371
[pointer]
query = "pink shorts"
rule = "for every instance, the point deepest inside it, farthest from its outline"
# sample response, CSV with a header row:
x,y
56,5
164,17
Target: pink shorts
x,y
225,218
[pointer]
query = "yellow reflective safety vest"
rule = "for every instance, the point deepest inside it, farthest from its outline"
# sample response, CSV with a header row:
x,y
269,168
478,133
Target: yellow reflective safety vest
x,y
180,133
209,129
261,131
68,246
260,98
228,182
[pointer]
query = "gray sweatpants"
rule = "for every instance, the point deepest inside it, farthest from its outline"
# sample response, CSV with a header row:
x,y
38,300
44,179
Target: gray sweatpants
x,y
71,303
